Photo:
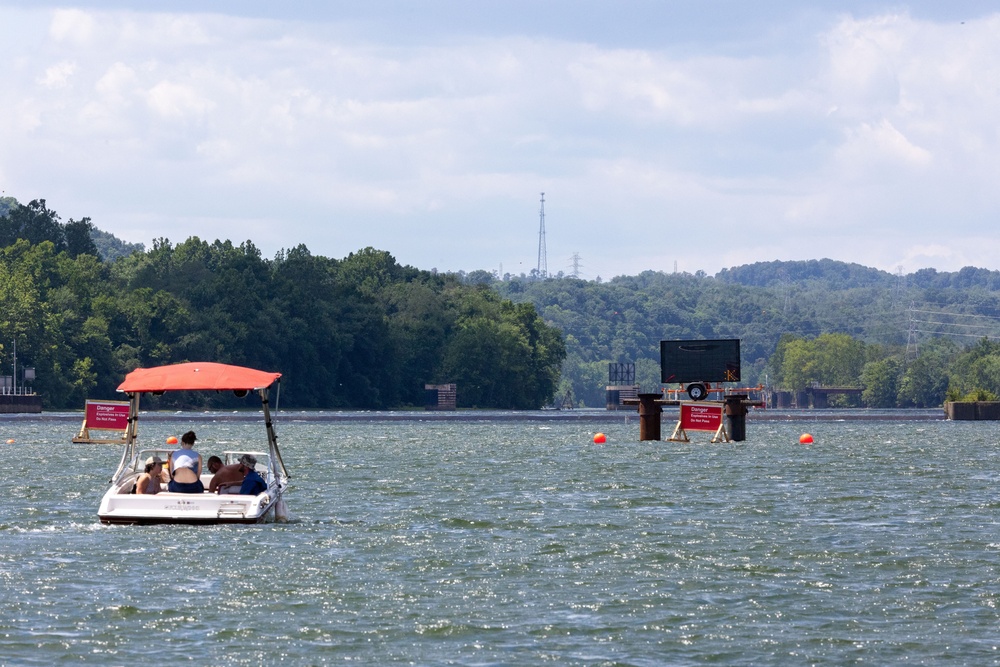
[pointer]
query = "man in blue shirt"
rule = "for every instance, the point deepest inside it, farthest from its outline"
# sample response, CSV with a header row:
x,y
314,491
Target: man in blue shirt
x,y
253,483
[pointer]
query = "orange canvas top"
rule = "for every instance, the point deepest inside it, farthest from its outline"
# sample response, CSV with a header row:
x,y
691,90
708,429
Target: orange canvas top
x,y
196,375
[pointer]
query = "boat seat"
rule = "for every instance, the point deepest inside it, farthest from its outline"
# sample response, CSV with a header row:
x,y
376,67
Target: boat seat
x,y
175,494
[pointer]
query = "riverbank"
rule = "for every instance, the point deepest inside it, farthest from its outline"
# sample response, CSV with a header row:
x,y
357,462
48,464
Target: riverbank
x,y
587,415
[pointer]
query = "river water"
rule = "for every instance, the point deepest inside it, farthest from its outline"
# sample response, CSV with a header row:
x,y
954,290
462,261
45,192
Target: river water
x,y
506,541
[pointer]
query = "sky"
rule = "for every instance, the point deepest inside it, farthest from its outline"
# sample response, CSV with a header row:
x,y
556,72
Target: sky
x,y
666,136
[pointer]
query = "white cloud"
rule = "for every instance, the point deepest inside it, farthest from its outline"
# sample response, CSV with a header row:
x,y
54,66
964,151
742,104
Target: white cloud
x,y
879,144
117,84
173,100
72,25
308,132
58,75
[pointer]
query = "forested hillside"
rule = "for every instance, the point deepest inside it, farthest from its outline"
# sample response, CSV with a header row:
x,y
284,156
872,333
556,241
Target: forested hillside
x,y
365,332
360,332
907,340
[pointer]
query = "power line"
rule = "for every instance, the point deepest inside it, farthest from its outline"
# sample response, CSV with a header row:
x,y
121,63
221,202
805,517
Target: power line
x,y
937,332
943,324
941,312
991,327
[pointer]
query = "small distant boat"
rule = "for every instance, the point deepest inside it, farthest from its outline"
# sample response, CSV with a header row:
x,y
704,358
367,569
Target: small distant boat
x,y
120,506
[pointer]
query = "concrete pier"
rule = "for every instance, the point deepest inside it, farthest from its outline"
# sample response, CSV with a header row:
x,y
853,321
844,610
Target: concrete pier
x,y
972,410
11,404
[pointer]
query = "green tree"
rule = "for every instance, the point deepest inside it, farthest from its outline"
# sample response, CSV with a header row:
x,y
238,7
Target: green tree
x,y
881,380
972,369
925,380
501,354
6,204
840,359
829,359
487,359
78,235
799,365
109,247
420,320
34,223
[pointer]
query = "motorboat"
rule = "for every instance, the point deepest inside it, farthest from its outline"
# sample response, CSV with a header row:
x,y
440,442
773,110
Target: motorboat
x,y
120,505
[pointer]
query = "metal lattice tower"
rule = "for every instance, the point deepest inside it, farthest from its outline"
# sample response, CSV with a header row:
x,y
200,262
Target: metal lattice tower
x,y
912,343
543,259
900,287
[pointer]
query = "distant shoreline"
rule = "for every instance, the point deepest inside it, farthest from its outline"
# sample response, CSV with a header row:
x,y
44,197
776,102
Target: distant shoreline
x,y
578,415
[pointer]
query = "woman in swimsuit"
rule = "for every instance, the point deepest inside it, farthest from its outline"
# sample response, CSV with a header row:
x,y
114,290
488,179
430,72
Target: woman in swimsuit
x,y
183,476
149,481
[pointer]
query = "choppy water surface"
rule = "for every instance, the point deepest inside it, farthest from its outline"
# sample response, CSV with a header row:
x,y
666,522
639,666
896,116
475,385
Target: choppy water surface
x,y
520,543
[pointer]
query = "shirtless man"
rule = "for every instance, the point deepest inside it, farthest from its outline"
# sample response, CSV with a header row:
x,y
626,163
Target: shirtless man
x,y
213,464
229,475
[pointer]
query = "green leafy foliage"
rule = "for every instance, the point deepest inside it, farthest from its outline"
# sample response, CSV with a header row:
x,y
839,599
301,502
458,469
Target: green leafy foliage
x,y
362,332
979,395
881,380
901,339
110,248
366,332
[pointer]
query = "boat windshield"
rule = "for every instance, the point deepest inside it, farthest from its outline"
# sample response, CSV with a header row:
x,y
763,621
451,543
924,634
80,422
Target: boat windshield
x,y
263,459
139,463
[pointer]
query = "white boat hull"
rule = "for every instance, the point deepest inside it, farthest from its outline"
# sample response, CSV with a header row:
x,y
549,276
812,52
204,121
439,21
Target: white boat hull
x,y
118,506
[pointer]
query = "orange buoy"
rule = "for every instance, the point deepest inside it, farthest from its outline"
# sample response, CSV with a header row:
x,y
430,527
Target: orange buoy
x,y
805,439
11,441
172,440
600,439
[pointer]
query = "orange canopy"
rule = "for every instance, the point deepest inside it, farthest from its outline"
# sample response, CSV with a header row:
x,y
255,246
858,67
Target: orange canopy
x,y
196,375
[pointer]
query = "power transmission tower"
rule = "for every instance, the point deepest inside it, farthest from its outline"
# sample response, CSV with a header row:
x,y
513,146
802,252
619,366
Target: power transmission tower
x,y
900,286
912,343
576,264
543,259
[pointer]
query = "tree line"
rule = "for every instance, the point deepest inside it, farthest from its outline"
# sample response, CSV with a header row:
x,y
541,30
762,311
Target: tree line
x,y
906,340
366,332
361,332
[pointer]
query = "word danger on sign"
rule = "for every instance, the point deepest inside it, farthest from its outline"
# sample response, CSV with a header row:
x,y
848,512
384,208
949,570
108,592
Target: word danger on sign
x,y
700,417
110,415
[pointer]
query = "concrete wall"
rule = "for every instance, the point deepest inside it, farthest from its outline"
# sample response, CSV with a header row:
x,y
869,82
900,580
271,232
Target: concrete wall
x,y
17,404
972,410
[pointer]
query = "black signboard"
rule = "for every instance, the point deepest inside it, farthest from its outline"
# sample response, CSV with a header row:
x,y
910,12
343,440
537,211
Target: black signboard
x,y
685,361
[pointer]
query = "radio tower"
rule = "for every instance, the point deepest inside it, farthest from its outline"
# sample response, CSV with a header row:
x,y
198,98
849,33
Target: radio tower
x,y
543,259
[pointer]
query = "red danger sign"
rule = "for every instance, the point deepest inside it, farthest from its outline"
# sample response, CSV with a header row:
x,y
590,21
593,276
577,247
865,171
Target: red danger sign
x,y
700,417
109,415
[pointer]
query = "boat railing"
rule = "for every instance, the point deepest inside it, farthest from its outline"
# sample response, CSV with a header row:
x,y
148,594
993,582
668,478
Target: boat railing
x,y
17,391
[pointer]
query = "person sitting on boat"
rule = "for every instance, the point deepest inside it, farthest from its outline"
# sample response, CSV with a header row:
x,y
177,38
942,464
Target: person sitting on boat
x,y
183,478
149,481
223,476
187,449
253,483
213,464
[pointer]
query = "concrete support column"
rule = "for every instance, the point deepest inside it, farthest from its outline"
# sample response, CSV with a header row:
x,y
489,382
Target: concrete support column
x,y
650,412
736,412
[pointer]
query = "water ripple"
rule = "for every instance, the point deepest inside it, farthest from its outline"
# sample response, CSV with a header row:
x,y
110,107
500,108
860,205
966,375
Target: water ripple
x,y
501,542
